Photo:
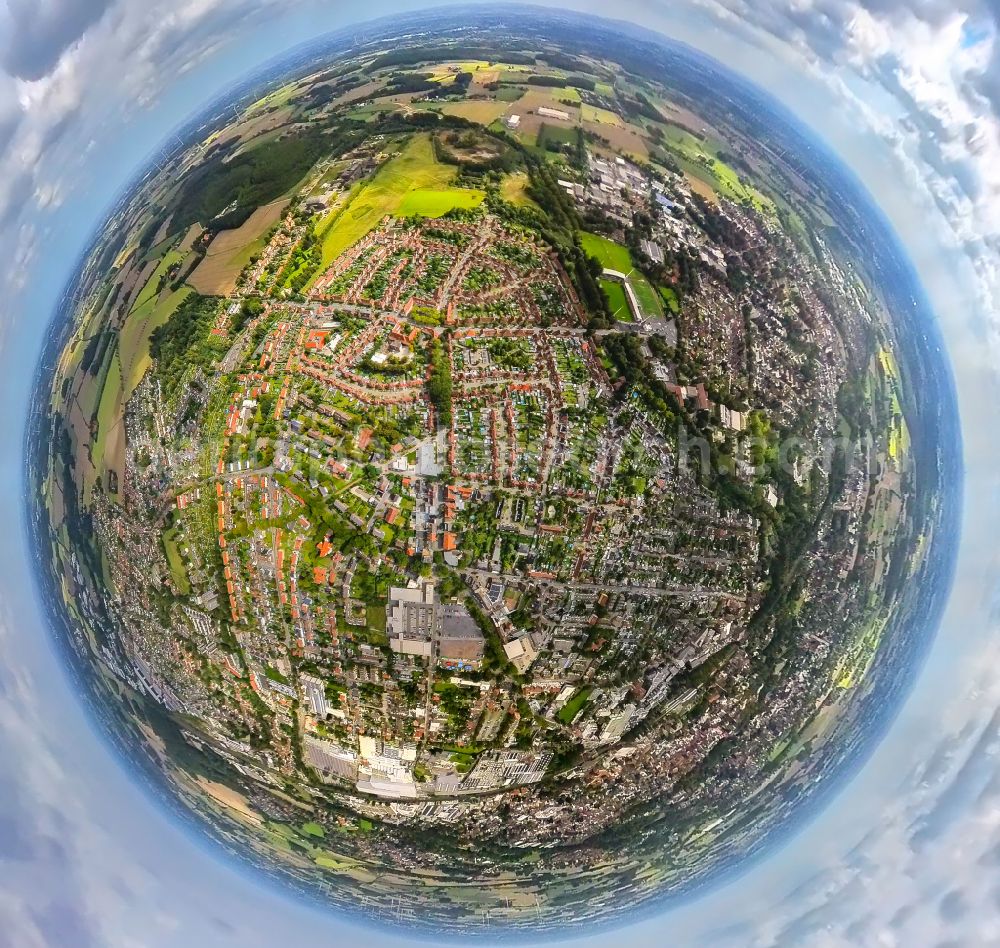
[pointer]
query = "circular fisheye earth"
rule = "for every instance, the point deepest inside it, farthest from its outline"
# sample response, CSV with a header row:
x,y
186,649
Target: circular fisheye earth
x,y
482,482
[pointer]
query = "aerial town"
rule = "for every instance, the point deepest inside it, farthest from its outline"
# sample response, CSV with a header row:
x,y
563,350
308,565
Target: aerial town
x,y
497,491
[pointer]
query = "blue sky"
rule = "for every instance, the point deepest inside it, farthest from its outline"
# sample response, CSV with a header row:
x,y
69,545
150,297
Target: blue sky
x,y
906,91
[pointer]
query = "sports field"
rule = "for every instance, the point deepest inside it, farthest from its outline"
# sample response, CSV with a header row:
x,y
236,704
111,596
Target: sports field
x,y
614,256
414,169
650,302
619,302
572,707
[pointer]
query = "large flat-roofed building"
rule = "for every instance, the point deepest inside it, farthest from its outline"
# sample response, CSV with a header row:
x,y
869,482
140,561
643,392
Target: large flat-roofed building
x,y
417,623
410,618
330,759
460,639
386,769
315,694
560,114
522,652
506,768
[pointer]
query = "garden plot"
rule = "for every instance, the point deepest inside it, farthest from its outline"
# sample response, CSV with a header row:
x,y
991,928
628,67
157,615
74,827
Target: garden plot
x,y
526,420
395,355
521,255
574,371
397,262
474,438
435,271
391,273
503,311
555,555
343,282
479,279
483,356
551,302
574,467
634,466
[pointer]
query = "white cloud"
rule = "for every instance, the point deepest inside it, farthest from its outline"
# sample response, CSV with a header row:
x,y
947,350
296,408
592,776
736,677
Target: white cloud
x,y
112,65
37,32
938,62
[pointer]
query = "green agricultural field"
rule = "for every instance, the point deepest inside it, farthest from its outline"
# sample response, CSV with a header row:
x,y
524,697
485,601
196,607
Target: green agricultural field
x,y
157,251
779,749
133,345
483,111
446,70
557,135
414,169
899,433
434,203
602,116
509,93
274,100
231,250
368,113
699,160
151,288
109,446
888,363
732,186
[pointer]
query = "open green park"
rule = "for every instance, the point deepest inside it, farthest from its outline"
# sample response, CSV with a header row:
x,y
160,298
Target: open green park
x,y
176,562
